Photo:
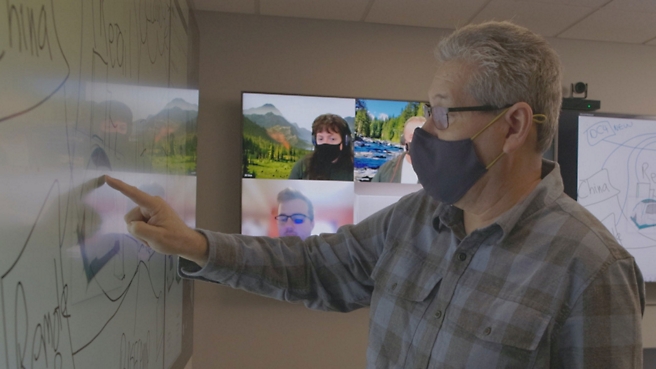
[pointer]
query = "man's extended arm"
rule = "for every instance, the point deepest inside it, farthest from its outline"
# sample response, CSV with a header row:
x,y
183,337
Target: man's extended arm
x,y
329,272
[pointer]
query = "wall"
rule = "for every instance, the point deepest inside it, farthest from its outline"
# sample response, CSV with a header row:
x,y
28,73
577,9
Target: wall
x,y
268,54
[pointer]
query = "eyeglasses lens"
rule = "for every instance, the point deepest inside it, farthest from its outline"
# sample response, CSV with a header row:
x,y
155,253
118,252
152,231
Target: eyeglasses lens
x,y
438,115
296,218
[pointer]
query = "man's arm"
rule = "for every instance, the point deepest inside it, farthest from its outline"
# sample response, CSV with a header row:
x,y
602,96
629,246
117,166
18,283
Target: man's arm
x,y
603,329
328,272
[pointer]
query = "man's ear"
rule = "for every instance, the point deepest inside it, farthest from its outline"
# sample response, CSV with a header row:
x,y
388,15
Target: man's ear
x,y
520,121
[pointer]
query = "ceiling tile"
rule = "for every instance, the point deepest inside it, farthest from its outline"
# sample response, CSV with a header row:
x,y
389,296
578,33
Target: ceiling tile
x,y
614,25
634,5
227,6
627,21
347,10
585,3
424,13
547,19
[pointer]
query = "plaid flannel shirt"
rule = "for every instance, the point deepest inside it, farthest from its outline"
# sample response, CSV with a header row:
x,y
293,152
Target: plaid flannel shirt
x,y
545,286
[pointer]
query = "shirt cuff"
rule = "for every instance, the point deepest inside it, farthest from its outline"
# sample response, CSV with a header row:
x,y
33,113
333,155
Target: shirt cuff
x,y
222,262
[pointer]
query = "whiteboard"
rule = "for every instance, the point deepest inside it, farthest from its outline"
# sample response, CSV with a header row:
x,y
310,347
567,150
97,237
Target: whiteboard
x,y
617,182
93,87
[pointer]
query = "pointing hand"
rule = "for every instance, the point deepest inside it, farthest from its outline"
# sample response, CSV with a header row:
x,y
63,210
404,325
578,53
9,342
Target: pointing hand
x,y
157,225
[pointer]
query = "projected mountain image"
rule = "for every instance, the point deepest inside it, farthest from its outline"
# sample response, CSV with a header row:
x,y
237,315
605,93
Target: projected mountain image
x,y
174,139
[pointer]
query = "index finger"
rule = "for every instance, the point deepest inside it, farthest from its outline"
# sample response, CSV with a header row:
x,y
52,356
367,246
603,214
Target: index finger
x,y
139,197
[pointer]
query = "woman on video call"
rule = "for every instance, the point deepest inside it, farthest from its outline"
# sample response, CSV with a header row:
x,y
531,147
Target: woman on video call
x,y
332,158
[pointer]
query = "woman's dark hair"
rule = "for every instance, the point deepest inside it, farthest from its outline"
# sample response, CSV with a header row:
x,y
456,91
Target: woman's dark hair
x,y
331,123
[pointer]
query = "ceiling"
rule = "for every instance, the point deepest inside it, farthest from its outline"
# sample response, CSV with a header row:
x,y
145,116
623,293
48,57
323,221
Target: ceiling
x,y
623,21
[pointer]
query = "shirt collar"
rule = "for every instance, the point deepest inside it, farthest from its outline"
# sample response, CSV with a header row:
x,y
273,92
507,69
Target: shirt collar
x,y
546,192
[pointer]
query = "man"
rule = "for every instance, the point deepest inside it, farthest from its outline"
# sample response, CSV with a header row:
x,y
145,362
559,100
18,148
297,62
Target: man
x,y
295,214
491,265
399,169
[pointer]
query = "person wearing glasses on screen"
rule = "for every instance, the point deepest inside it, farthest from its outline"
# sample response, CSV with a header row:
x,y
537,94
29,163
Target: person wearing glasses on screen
x,y
332,158
490,265
295,214
399,169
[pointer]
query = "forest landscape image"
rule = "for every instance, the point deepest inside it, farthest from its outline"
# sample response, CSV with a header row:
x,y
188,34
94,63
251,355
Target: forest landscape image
x,y
378,130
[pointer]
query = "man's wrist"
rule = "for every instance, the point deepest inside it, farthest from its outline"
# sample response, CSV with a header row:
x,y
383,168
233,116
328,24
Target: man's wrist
x,y
199,249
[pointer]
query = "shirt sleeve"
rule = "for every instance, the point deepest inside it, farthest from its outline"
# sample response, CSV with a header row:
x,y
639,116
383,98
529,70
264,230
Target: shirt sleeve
x,y
603,329
298,170
326,272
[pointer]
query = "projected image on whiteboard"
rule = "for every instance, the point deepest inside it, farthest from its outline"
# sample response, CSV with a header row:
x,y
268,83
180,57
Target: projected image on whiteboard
x,y
617,182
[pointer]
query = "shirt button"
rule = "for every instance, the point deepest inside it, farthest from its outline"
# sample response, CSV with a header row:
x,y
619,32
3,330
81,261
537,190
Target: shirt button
x,y
462,256
438,314
488,330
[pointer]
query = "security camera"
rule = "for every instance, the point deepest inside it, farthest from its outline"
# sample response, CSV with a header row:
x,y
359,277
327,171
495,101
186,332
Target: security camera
x,y
580,103
579,88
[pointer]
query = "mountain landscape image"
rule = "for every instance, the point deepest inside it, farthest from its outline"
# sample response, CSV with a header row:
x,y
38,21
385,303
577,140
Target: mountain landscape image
x,y
272,144
173,138
278,128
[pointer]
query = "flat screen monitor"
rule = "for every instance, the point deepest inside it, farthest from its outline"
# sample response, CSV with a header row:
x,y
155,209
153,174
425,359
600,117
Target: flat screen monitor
x,y
608,163
353,163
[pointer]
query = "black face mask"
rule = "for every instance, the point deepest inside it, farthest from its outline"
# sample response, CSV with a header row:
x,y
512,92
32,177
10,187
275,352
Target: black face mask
x,y
448,169
326,153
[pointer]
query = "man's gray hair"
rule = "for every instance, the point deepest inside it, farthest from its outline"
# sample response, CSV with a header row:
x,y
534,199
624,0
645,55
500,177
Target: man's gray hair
x,y
291,194
511,64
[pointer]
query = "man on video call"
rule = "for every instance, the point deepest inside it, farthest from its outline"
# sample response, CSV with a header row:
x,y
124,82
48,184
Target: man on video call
x,y
490,265
399,169
295,214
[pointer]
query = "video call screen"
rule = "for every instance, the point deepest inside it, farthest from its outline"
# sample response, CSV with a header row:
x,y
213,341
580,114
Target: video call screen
x,y
297,181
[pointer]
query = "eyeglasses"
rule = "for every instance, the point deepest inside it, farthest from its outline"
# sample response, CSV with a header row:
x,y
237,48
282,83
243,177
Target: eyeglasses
x,y
440,115
296,218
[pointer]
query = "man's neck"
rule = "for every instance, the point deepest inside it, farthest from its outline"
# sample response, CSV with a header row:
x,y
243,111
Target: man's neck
x,y
498,193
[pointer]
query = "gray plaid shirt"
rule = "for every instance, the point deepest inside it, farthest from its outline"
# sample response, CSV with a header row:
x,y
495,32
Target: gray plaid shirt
x,y
545,286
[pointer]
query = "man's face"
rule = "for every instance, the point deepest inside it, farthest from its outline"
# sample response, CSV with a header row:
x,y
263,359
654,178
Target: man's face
x,y
448,90
290,227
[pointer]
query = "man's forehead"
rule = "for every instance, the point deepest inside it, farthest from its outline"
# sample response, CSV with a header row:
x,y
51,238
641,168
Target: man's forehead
x,y
448,82
297,205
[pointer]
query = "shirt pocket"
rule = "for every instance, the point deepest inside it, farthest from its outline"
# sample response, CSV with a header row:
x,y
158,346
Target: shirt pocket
x,y
406,275
404,281
505,323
